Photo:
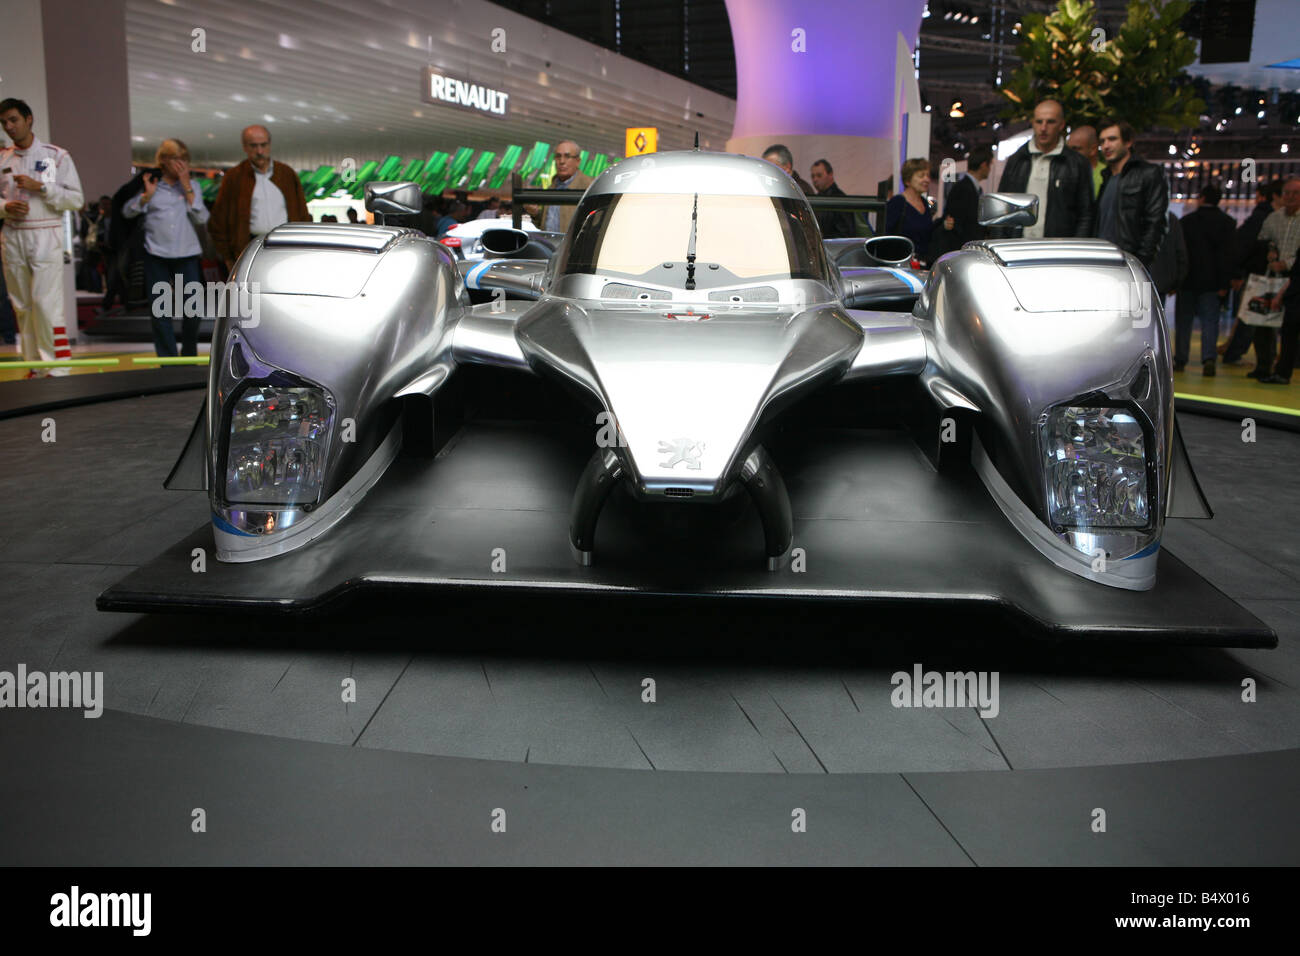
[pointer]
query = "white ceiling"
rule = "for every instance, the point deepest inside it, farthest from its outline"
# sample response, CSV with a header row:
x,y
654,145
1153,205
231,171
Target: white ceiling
x,y
335,78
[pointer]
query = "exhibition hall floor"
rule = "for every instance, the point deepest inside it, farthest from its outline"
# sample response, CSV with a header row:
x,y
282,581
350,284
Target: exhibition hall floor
x,y
503,703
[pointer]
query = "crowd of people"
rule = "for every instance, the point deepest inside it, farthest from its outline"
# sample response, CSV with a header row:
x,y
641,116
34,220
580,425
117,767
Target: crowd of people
x,y
1089,183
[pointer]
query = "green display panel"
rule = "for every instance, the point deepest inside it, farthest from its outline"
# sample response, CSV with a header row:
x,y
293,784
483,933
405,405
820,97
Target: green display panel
x,y
480,170
389,168
329,185
317,182
364,175
509,160
434,179
594,164
537,159
412,171
459,166
440,171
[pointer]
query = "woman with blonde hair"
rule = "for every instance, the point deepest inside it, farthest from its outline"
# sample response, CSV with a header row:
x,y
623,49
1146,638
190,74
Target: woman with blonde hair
x,y
173,211
908,213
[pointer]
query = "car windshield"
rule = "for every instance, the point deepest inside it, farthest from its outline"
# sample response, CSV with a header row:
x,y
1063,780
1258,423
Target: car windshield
x,y
647,236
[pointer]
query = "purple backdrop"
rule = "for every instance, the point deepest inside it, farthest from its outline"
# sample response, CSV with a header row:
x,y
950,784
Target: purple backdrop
x,y
843,85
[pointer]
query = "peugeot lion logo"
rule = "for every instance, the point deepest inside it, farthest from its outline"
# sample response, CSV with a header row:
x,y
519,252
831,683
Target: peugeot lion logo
x,y
679,450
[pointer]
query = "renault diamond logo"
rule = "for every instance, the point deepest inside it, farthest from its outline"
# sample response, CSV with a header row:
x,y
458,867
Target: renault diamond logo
x,y
679,450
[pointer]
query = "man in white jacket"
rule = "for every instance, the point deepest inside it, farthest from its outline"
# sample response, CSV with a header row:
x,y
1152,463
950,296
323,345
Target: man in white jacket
x,y
38,182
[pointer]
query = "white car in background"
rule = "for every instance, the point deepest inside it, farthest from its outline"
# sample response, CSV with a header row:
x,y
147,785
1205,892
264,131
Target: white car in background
x,y
464,238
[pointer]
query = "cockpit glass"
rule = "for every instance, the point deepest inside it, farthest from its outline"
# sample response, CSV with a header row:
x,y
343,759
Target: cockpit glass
x,y
647,236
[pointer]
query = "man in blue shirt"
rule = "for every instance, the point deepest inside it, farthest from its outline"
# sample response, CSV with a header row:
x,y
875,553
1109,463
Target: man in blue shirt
x,y
173,210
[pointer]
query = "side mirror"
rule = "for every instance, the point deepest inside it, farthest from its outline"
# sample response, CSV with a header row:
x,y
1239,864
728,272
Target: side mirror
x,y
890,250
1008,209
394,199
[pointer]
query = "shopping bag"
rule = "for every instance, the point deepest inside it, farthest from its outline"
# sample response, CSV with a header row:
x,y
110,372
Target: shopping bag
x,y
1255,297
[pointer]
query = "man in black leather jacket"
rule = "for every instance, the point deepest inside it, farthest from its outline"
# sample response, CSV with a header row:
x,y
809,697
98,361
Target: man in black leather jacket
x,y
1133,207
1066,205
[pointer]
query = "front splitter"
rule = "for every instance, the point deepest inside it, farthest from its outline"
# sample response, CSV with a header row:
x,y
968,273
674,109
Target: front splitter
x,y
876,527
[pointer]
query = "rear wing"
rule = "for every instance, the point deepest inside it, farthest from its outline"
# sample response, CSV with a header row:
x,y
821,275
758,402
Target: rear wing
x,y
571,197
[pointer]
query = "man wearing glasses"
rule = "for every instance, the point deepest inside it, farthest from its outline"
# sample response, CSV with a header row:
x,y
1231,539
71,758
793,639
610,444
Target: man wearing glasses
x,y
567,176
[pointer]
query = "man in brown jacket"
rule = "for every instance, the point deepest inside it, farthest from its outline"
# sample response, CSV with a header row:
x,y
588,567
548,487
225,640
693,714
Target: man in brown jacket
x,y
256,196
568,175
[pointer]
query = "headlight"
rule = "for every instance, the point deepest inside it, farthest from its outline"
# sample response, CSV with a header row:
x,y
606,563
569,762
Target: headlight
x,y
278,441
1096,468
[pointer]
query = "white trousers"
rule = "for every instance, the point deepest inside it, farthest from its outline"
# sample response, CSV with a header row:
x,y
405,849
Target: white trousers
x,y
33,264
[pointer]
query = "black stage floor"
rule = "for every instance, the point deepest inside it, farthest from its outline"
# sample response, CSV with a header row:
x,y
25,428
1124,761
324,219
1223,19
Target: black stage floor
x,y
538,706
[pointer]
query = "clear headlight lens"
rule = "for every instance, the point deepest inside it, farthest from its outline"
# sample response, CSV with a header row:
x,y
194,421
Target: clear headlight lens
x,y
1096,468
278,439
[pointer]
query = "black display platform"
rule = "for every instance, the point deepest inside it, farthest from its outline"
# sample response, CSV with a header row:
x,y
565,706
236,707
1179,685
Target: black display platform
x,y
880,530
1282,420
65,391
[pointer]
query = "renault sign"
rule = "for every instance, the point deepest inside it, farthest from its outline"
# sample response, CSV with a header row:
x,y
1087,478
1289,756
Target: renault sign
x,y
443,90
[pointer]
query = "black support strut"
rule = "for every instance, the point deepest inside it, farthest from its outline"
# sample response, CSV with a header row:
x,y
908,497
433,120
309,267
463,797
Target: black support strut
x,y
598,480
764,484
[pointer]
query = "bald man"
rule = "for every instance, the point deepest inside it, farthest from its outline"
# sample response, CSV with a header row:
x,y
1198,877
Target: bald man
x,y
1083,140
256,196
1059,177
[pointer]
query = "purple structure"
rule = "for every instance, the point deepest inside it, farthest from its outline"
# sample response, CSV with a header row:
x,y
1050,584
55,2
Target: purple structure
x,y
825,79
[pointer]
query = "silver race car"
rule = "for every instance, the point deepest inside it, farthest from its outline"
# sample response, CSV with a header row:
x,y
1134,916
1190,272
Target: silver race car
x,y
692,302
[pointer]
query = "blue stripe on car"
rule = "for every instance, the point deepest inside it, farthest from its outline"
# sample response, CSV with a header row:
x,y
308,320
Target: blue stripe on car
x,y
224,525
471,277
913,283
1152,548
